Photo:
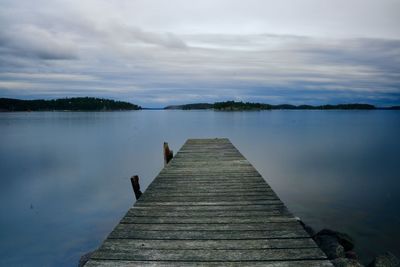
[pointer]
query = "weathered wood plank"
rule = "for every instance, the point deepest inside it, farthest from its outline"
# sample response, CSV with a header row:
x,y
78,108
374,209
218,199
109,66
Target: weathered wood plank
x,y
207,187
220,176
210,255
120,263
206,213
128,231
198,203
127,244
216,227
211,169
207,199
208,220
210,181
220,179
165,193
211,208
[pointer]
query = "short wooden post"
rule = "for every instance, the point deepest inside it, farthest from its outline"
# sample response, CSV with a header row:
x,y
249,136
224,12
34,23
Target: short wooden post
x,y
136,186
168,154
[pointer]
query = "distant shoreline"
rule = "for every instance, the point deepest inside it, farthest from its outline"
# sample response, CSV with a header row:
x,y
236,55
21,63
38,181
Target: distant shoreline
x,y
83,104
248,106
65,104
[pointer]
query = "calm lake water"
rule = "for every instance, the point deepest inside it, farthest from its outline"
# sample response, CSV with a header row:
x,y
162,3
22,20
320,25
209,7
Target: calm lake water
x,y
65,175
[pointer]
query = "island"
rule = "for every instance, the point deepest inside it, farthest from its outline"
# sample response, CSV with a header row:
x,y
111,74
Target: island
x,y
65,104
244,106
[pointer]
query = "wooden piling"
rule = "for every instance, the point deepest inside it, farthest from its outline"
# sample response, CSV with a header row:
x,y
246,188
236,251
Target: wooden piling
x,y
168,154
136,186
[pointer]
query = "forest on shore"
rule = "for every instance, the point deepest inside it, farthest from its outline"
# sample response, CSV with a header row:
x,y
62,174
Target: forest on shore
x,y
67,104
238,106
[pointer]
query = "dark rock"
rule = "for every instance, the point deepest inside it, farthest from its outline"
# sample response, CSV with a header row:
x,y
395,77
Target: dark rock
x,y
306,227
330,245
385,260
309,229
351,255
344,239
85,258
343,262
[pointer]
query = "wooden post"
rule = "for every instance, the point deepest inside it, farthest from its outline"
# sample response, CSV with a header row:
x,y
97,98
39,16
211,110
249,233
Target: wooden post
x,y
136,186
168,154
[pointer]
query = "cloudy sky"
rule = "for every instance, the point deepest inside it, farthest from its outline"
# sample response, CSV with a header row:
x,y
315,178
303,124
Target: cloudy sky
x,y
156,52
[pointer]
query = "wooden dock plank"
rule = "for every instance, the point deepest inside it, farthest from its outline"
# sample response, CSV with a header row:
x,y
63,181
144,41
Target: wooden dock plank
x,y
208,220
209,207
122,263
128,231
210,254
211,213
219,203
127,244
207,199
214,227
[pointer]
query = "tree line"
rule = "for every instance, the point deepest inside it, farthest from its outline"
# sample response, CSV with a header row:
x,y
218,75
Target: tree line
x,y
71,104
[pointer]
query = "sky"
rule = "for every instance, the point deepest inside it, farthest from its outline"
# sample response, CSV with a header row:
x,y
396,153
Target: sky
x,y
156,53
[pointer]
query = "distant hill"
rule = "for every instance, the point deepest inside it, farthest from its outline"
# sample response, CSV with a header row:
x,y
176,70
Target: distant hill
x,y
232,105
394,108
242,106
192,106
70,104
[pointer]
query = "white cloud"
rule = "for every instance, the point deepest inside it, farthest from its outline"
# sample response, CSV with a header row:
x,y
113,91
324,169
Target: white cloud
x,y
339,18
16,85
48,76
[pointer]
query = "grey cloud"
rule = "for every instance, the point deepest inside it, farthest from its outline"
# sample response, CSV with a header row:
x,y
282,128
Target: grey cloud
x,y
43,35
30,41
135,34
384,53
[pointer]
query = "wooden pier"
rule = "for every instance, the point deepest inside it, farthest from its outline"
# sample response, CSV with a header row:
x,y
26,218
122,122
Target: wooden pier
x,y
209,207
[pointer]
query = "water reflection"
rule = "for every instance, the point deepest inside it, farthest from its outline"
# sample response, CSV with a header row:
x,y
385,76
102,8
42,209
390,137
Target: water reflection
x,y
65,176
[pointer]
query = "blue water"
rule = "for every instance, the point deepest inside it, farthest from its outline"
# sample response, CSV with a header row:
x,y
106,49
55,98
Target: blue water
x,y
64,176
